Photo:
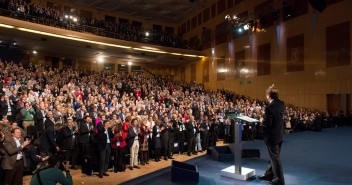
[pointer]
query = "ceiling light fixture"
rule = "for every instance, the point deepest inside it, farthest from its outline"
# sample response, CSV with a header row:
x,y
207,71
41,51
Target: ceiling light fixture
x,y
100,59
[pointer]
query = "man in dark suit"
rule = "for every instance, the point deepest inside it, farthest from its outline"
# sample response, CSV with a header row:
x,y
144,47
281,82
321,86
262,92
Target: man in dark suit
x,y
104,147
40,118
273,123
14,160
164,138
48,143
49,122
190,135
86,131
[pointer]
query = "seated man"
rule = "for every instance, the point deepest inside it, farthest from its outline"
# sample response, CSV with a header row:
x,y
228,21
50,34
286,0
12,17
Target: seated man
x,y
51,174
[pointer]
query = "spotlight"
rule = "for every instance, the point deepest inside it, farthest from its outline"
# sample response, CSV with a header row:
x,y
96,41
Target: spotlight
x,y
66,16
100,59
75,19
246,27
228,17
34,52
129,63
239,30
147,34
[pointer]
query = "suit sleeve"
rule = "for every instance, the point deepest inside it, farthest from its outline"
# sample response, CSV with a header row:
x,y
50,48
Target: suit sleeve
x,y
10,149
268,117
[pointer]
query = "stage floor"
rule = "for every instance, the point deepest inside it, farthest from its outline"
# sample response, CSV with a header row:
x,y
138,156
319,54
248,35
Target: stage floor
x,y
121,177
308,158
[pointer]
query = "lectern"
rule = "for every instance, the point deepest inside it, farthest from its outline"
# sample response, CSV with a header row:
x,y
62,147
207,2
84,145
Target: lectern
x,y
237,171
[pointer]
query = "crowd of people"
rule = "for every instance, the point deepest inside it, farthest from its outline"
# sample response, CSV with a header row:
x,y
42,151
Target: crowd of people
x,y
125,31
106,120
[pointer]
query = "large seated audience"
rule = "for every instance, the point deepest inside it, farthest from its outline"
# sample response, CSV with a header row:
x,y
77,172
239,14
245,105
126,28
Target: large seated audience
x,y
26,10
104,120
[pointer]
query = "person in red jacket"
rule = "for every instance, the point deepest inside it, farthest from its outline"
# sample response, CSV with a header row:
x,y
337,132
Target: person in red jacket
x,y
119,144
119,147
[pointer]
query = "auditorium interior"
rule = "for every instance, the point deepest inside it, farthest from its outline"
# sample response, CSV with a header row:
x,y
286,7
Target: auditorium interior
x,y
179,61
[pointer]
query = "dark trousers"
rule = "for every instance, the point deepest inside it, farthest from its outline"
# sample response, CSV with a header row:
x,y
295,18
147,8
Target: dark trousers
x,y
190,145
15,176
71,155
204,139
157,154
181,146
165,146
104,156
84,151
275,166
144,157
119,159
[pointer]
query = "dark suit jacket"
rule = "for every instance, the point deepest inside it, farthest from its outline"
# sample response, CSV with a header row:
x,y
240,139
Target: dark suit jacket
x,y
84,132
274,122
131,136
189,130
31,157
102,137
66,138
48,123
39,120
47,141
3,108
11,151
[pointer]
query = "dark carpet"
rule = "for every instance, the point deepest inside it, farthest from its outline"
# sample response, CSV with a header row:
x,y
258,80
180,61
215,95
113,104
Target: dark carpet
x,y
308,158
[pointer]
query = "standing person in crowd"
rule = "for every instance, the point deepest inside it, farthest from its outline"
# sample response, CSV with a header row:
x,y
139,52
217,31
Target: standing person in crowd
x,y
165,137
204,133
181,135
156,139
7,108
68,143
86,132
14,161
198,146
119,148
273,123
213,131
40,118
28,114
144,145
48,140
190,135
133,143
104,147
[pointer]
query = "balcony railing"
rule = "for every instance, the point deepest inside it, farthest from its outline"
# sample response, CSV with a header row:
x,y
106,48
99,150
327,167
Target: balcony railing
x,y
73,26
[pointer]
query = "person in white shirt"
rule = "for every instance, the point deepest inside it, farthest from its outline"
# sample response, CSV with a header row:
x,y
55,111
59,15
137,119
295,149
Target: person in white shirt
x,y
14,160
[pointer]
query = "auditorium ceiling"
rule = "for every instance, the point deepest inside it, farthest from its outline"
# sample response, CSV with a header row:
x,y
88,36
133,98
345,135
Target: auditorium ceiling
x,y
74,49
159,10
